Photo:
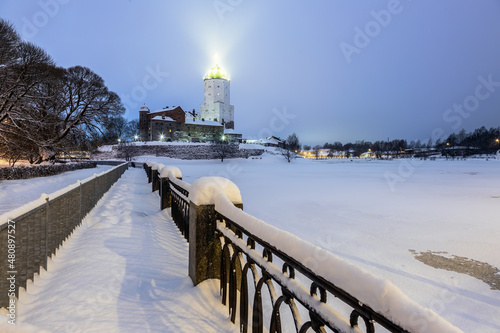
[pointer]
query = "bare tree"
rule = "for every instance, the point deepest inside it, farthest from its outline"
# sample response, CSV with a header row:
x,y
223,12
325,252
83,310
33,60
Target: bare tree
x,y
290,147
223,149
317,149
65,104
127,151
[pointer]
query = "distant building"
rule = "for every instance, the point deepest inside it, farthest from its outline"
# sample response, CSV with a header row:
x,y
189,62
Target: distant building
x,y
171,124
271,141
215,120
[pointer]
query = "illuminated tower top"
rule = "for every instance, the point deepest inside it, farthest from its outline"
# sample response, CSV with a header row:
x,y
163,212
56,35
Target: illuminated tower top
x,y
217,105
216,73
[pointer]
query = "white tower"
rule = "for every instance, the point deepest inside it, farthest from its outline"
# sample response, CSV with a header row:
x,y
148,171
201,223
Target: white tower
x,y
217,105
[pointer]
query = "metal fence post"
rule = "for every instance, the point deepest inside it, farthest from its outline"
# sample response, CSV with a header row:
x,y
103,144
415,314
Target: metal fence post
x,y
204,247
46,232
165,196
205,251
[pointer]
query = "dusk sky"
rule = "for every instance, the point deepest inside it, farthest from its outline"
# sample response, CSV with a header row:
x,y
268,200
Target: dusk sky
x,y
328,70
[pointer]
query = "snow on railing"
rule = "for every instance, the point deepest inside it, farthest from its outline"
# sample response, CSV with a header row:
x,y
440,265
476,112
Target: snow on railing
x,y
30,234
235,247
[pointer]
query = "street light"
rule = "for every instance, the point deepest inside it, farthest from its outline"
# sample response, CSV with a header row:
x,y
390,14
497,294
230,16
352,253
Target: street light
x,y
136,137
119,140
161,137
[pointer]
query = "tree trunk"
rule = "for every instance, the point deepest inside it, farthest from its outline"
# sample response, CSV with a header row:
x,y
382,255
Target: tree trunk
x,y
46,154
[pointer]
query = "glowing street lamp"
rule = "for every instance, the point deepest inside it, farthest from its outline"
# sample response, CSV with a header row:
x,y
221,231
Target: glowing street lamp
x,y
119,140
161,137
136,137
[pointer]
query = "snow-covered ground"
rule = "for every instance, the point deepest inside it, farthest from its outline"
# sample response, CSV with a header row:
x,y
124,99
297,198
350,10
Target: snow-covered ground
x,y
373,213
15,193
124,270
370,213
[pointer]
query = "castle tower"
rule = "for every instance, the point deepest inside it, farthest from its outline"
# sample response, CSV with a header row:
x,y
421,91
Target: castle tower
x,y
144,129
217,105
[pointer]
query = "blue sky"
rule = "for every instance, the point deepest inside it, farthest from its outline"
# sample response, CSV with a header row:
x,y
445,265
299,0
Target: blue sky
x,y
328,70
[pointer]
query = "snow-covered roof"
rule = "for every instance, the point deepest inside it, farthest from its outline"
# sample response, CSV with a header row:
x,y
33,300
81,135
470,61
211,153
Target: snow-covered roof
x,y
231,131
162,118
166,109
261,141
202,122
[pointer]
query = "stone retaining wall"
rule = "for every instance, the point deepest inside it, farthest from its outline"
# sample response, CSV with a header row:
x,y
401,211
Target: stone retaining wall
x,y
185,152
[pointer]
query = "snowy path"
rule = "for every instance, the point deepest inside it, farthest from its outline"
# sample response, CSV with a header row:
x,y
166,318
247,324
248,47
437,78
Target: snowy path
x,y
124,270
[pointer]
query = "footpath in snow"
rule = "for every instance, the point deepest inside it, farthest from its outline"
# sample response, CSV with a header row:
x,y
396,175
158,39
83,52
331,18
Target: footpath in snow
x,y
123,270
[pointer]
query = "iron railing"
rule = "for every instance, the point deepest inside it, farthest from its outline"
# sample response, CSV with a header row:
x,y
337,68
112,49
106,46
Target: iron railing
x,y
250,264
241,257
180,206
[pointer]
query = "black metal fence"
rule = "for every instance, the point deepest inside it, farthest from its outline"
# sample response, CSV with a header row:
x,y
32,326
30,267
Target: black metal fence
x,y
244,253
265,288
29,236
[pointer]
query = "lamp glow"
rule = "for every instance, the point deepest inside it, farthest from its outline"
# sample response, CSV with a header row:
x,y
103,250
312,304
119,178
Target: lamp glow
x,y
216,72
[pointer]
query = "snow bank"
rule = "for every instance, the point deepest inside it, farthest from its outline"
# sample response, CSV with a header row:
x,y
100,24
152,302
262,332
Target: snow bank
x,y
380,294
15,213
204,190
26,208
106,148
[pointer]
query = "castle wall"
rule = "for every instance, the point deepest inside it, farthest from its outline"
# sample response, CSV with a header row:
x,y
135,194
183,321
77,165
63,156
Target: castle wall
x,y
185,152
